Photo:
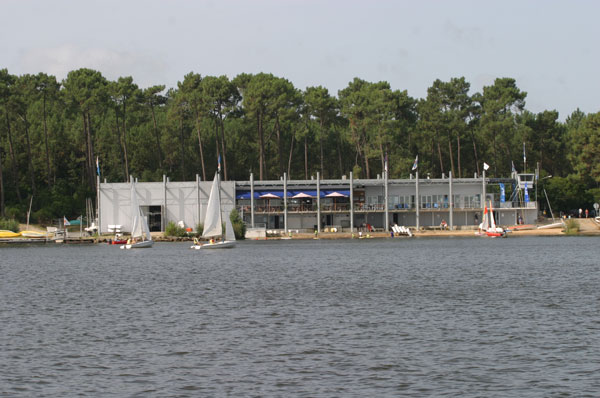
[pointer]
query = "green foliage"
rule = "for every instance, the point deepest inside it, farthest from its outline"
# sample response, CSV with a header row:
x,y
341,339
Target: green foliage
x,y
52,132
16,212
199,229
239,228
43,216
175,230
572,227
10,224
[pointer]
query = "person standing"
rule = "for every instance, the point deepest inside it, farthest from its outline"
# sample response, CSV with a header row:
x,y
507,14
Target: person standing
x,y
580,211
587,213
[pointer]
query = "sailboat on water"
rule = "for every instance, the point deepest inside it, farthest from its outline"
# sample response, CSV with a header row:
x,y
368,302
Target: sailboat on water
x,y
140,233
213,222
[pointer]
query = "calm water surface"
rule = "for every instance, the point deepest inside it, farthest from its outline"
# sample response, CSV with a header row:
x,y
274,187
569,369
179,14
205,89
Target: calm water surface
x,y
516,317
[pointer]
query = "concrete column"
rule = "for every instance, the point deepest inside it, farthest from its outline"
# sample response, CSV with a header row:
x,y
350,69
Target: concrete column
x,y
318,202
417,198
385,190
451,201
163,217
252,199
351,203
285,212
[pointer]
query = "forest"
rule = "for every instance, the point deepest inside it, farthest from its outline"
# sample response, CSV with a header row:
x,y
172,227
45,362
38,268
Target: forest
x,y
56,136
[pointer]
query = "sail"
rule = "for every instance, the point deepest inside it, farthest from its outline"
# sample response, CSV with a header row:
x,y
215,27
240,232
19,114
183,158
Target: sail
x,y
145,226
492,221
139,226
136,223
212,222
484,221
229,234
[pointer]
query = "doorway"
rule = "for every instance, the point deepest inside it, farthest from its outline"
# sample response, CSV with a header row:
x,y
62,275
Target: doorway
x,y
154,218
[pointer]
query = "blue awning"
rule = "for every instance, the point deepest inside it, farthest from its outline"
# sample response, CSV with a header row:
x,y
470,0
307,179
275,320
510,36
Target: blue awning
x,y
290,193
258,194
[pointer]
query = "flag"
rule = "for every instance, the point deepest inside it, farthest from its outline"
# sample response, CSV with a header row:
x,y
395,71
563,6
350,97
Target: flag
x,y
486,166
416,163
524,157
97,165
526,194
502,193
513,167
219,163
65,221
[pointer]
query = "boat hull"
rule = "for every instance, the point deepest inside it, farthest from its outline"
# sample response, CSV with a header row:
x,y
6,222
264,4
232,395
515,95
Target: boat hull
x,y
139,245
228,244
118,242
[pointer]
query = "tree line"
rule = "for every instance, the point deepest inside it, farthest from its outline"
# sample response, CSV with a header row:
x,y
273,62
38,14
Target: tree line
x,y
55,135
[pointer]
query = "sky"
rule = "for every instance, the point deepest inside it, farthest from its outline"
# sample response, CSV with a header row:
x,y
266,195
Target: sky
x,y
547,46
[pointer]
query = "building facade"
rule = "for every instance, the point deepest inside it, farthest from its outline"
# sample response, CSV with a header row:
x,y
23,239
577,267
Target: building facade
x,y
344,204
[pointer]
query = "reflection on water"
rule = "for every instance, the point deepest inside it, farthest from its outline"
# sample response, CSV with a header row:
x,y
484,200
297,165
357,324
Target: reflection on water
x,y
421,317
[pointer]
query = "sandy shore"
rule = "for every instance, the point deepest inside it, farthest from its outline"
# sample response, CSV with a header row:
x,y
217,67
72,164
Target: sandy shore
x,y
426,233
587,227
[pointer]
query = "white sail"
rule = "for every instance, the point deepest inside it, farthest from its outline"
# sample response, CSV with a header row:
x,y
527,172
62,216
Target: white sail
x,y
136,223
140,233
229,234
212,222
484,222
139,226
145,226
492,220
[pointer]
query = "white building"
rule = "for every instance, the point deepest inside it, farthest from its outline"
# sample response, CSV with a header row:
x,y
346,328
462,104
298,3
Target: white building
x,y
325,204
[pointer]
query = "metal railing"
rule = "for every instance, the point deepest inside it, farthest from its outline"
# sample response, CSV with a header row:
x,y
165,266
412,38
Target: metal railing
x,y
364,207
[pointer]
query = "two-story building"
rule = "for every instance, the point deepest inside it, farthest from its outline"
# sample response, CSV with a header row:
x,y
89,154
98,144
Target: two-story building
x,y
344,204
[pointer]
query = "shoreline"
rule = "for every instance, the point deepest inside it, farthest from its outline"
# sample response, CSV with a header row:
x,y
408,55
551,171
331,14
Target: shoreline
x,y
587,228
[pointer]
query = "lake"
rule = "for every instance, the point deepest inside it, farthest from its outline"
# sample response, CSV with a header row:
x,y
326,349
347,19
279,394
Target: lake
x,y
469,317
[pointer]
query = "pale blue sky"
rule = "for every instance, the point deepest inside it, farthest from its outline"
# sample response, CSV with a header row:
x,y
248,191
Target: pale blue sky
x,y
549,47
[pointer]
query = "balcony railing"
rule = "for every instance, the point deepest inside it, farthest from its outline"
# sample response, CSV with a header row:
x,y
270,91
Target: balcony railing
x,y
366,207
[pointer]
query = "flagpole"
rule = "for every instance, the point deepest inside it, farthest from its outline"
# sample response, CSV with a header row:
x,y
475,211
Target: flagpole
x,y
417,204
524,159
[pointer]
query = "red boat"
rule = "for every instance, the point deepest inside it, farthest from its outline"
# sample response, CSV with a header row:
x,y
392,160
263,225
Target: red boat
x,y
118,240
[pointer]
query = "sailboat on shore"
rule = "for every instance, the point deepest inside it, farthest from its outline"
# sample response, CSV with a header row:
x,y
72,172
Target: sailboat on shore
x,y
213,222
140,233
488,225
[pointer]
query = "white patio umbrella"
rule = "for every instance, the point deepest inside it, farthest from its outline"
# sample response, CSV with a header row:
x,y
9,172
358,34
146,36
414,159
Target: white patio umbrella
x,y
335,195
301,195
268,196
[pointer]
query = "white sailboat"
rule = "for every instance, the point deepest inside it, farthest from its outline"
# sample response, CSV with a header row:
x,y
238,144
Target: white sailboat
x,y
488,224
140,233
494,231
213,222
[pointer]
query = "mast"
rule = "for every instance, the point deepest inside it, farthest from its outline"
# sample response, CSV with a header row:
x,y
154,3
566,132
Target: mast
x,y
219,194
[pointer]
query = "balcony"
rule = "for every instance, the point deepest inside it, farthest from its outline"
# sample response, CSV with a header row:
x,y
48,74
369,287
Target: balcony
x,y
377,207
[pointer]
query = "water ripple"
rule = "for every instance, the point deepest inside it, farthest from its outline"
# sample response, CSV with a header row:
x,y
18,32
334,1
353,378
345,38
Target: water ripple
x,y
421,317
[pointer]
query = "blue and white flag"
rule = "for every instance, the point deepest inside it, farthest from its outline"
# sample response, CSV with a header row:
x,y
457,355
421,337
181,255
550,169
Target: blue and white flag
x,y
219,164
526,194
65,221
513,170
524,157
416,163
97,165
502,193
